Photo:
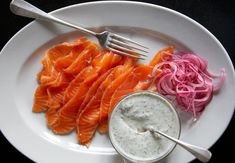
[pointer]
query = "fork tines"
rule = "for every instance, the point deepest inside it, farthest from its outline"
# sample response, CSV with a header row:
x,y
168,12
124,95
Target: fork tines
x,y
127,47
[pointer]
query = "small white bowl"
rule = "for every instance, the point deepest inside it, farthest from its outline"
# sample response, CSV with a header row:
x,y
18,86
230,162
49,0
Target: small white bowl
x,y
120,149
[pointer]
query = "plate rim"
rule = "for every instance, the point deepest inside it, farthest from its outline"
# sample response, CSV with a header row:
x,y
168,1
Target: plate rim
x,y
125,2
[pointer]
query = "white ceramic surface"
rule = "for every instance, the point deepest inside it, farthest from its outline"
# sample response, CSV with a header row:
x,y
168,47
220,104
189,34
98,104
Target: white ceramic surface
x,y
152,25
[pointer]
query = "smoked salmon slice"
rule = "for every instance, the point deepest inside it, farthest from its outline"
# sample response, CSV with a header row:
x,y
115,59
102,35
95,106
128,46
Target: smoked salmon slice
x,y
65,122
139,74
83,60
117,92
76,48
40,99
72,103
106,99
55,57
88,120
128,62
48,73
85,77
91,92
49,77
55,102
68,114
162,54
106,60
100,64
87,74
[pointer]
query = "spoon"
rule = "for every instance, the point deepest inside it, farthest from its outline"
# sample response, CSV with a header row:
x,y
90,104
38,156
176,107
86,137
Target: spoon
x,y
200,153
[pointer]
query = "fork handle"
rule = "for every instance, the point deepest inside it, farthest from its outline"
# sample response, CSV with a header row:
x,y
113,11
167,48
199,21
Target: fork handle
x,y
23,8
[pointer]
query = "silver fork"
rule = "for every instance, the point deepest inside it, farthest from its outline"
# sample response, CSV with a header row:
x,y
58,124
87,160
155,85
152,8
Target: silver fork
x,y
107,40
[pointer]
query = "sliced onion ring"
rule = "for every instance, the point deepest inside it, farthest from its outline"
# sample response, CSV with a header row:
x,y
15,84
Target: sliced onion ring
x,y
186,77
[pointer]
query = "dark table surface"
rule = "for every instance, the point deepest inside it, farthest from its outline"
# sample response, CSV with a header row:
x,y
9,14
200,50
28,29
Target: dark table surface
x,y
218,16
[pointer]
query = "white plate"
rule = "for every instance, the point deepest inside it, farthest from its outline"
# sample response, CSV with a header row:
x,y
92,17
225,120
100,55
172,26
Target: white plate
x,y
157,27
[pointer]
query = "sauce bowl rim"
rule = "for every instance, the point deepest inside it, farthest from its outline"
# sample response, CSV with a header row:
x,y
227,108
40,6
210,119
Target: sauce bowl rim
x,y
171,106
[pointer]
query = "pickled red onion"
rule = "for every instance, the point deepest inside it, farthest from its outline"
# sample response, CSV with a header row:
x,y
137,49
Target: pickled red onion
x,y
186,79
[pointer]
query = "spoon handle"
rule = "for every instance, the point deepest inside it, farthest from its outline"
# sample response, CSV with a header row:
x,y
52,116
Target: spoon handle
x,y
200,153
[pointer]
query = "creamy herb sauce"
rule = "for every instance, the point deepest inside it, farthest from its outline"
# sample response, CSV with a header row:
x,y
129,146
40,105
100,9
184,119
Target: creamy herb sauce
x,y
133,115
